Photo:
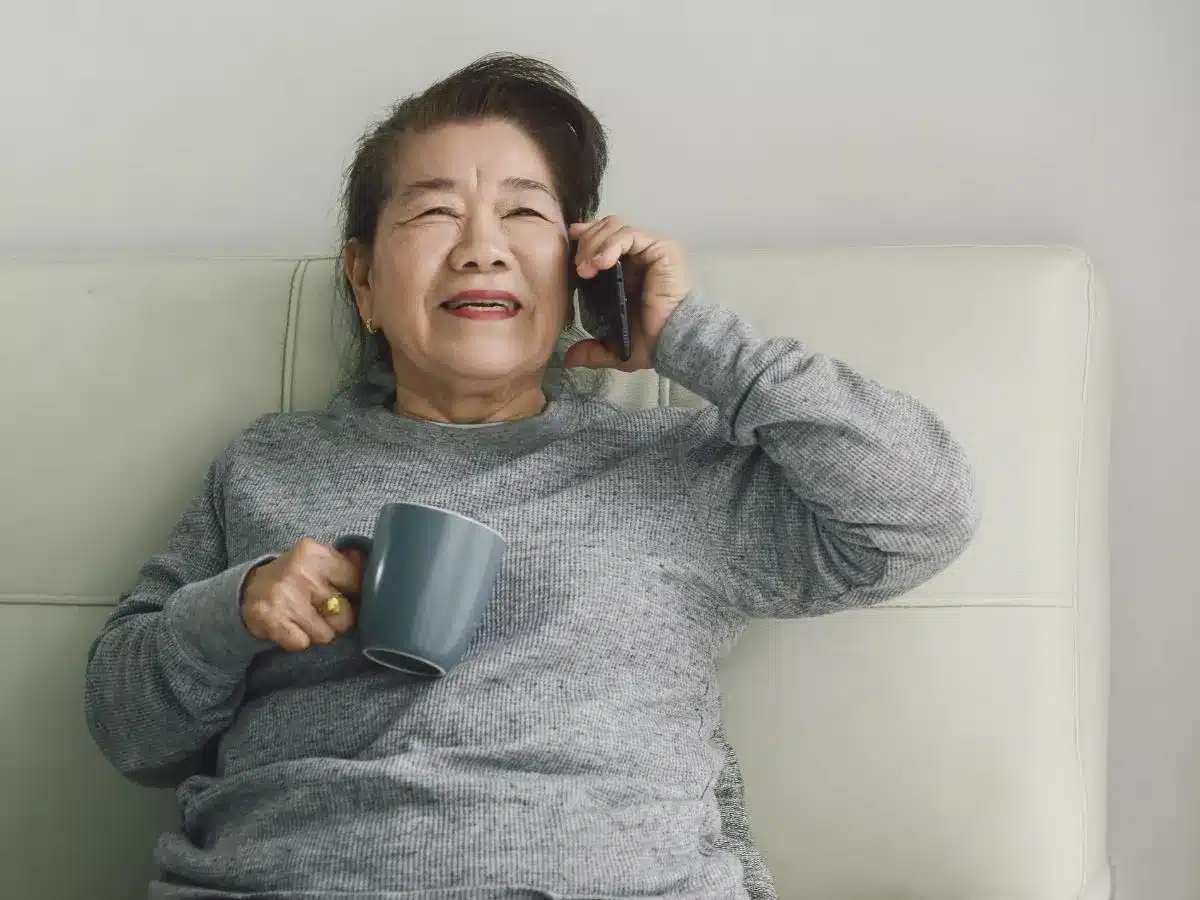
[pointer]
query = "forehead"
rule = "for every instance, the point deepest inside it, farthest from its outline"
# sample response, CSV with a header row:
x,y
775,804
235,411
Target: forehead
x,y
471,154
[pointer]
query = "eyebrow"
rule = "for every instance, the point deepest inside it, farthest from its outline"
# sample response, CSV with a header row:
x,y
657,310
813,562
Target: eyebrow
x,y
430,185
529,184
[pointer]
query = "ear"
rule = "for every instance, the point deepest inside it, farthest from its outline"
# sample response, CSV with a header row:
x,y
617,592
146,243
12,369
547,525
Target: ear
x,y
356,263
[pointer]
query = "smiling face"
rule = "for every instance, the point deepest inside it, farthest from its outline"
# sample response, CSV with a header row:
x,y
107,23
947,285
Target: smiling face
x,y
467,277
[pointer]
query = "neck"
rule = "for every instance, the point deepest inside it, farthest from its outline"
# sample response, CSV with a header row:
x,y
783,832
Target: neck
x,y
459,407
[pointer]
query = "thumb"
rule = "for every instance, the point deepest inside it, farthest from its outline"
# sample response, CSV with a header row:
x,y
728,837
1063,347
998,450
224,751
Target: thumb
x,y
356,558
590,354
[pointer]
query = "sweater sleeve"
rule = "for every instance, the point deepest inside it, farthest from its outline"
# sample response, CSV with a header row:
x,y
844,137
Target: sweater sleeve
x,y
817,488
167,672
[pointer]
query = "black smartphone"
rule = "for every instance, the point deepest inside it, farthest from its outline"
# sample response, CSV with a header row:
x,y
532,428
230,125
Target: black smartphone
x,y
604,310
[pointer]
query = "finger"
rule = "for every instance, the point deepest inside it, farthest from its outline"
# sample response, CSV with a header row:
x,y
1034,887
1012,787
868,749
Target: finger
x,y
626,241
579,231
326,573
586,241
591,242
333,572
290,636
590,354
345,620
314,624
341,621
654,251
356,557
613,246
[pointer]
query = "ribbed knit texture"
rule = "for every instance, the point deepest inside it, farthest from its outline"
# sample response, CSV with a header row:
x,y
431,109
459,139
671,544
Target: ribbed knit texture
x,y
574,752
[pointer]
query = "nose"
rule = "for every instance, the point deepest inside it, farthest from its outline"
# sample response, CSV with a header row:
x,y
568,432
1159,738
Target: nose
x,y
482,247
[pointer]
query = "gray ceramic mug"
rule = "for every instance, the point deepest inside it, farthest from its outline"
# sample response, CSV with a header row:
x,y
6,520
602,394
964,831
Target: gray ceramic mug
x,y
428,577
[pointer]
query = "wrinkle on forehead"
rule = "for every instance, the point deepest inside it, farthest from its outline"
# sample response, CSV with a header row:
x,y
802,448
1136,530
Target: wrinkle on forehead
x,y
475,155
433,185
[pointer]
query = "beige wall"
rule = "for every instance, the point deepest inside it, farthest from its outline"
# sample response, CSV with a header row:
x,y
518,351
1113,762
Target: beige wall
x,y
222,127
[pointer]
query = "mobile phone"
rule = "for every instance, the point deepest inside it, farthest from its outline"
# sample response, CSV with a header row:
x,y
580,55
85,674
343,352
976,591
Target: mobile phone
x,y
604,310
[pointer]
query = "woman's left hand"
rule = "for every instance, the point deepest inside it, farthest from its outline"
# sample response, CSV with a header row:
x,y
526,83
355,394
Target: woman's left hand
x,y
656,280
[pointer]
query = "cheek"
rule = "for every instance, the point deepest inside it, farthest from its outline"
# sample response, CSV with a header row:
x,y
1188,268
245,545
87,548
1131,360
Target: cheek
x,y
407,269
546,270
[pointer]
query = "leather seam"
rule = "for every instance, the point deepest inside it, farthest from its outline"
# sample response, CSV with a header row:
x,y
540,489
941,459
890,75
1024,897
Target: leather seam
x,y
1088,348
288,373
99,601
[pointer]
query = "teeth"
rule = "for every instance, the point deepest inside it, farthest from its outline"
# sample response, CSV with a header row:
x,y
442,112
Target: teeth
x,y
484,304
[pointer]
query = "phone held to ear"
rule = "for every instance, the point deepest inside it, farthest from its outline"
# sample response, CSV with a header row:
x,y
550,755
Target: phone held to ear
x,y
604,310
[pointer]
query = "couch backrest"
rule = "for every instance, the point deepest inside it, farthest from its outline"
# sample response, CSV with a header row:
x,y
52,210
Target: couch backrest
x,y
948,745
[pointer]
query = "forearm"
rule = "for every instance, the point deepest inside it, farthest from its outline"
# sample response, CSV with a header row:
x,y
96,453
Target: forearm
x,y
879,488
167,675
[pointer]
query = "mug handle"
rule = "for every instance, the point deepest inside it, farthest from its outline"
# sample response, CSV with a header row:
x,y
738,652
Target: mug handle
x,y
359,542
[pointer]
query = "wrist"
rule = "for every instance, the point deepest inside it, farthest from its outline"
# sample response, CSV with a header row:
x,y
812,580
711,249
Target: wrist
x,y
251,578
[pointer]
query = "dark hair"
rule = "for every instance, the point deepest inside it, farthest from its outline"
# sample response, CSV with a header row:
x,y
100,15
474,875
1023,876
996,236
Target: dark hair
x,y
528,93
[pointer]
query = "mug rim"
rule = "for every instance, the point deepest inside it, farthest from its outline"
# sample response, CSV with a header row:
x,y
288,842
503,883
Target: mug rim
x,y
372,652
450,512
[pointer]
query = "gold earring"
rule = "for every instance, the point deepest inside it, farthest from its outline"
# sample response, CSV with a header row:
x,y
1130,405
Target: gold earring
x,y
370,325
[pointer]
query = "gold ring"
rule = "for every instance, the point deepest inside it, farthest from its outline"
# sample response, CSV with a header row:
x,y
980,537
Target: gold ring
x,y
333,606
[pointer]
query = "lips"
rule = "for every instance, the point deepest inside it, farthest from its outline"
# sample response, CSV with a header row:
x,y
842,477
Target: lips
x,y
483,304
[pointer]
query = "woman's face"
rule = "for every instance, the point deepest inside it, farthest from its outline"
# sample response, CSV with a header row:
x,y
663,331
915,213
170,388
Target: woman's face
x,y
468,274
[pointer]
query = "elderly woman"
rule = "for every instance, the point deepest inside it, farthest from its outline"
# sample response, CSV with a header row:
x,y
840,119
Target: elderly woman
x,y
575,751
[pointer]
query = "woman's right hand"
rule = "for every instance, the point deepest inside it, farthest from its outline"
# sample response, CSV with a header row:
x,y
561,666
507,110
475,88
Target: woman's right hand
x,y
284,600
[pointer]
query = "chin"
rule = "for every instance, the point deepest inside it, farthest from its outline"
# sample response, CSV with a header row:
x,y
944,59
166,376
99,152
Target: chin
x,y
492,367
492,359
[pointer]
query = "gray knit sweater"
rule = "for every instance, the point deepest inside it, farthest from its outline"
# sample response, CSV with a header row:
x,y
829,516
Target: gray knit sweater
x,y
571,753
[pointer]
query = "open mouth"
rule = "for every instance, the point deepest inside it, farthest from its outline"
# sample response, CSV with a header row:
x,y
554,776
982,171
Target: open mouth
x,y
483,305
506,305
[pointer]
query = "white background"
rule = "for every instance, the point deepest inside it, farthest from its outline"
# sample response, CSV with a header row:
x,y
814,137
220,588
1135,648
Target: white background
x,y
223,127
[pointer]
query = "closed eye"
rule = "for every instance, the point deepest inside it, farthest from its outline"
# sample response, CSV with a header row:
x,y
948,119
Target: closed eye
x,y
526,211
437,211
